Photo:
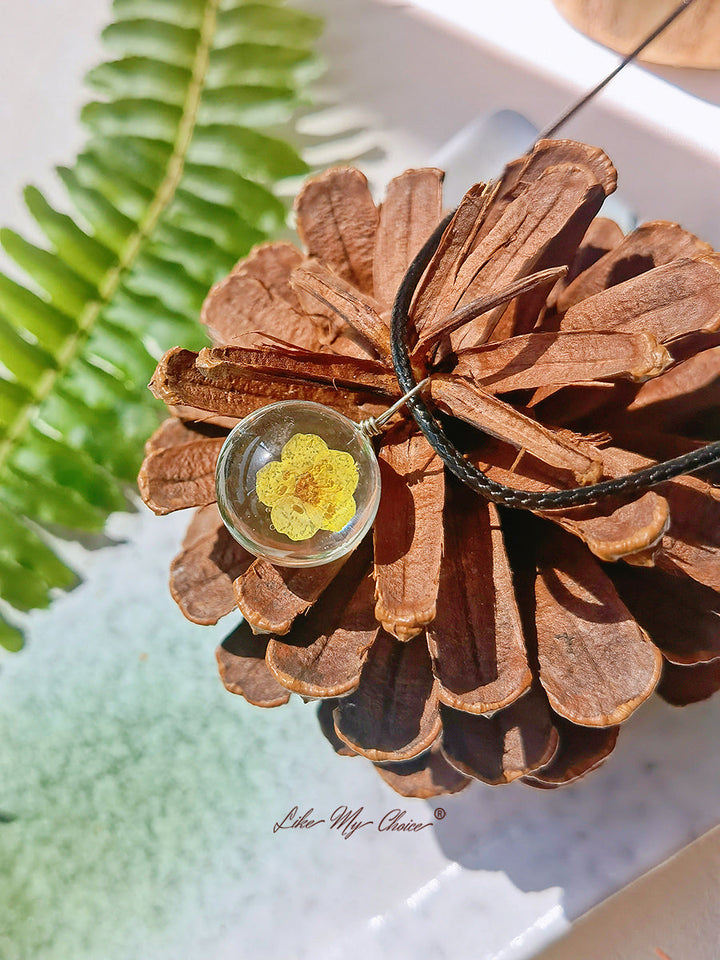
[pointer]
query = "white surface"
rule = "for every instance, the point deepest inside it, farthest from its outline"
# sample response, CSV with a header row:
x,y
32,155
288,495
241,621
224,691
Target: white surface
x,y
680,103
146,796
417,83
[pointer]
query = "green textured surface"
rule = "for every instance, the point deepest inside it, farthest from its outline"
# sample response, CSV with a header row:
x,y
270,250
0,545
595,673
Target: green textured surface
x,y
138,797
130,781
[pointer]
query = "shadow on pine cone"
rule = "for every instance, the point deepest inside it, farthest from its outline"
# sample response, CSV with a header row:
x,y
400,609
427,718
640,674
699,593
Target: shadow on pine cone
x,y
466,641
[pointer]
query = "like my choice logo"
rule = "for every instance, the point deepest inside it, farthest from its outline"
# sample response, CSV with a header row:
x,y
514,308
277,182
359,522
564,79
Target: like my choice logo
x,y
348,822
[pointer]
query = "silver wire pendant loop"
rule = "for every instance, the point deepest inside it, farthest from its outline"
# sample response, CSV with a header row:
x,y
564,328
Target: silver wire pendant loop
x,y
373,426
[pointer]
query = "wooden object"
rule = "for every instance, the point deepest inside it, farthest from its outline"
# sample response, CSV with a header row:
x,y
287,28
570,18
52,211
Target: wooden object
x,y
692,41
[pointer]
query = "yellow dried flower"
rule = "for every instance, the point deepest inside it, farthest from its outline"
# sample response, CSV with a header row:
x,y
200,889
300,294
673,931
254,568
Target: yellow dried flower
x,y
309,489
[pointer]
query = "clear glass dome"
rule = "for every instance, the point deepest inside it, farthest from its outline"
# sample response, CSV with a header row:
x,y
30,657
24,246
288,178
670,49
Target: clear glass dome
x,y
298,484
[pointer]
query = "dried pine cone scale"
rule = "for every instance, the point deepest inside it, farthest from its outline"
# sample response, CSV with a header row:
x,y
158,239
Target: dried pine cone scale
x,y
579,751
476,640
408,532
443,651
202,575
241,662
597,664
506,746
429,775
325,653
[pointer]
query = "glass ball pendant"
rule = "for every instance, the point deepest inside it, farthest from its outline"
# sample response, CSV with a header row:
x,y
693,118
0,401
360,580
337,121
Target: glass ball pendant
x,y
298,483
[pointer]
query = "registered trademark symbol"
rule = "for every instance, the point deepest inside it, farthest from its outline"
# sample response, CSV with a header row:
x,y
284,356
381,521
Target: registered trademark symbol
x,y
439,813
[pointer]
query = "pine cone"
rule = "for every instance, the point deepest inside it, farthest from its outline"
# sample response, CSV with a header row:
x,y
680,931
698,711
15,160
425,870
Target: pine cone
x,y
468,641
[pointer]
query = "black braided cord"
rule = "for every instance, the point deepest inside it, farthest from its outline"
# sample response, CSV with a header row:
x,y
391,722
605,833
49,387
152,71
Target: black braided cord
x,y
468,472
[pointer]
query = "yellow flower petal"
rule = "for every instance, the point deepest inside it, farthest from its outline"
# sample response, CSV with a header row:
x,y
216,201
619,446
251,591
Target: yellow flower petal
x,y
337,473
291,518
342,515
303,450
273,482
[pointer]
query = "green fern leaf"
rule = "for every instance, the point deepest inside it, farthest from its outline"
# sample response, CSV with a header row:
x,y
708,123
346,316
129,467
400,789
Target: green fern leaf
x,y
174,185
10,637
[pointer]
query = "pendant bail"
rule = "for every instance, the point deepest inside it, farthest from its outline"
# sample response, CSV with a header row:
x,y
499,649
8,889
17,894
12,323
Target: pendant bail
x,y
373,426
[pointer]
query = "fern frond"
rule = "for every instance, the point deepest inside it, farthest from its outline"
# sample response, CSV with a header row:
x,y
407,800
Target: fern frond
x,y
175,184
